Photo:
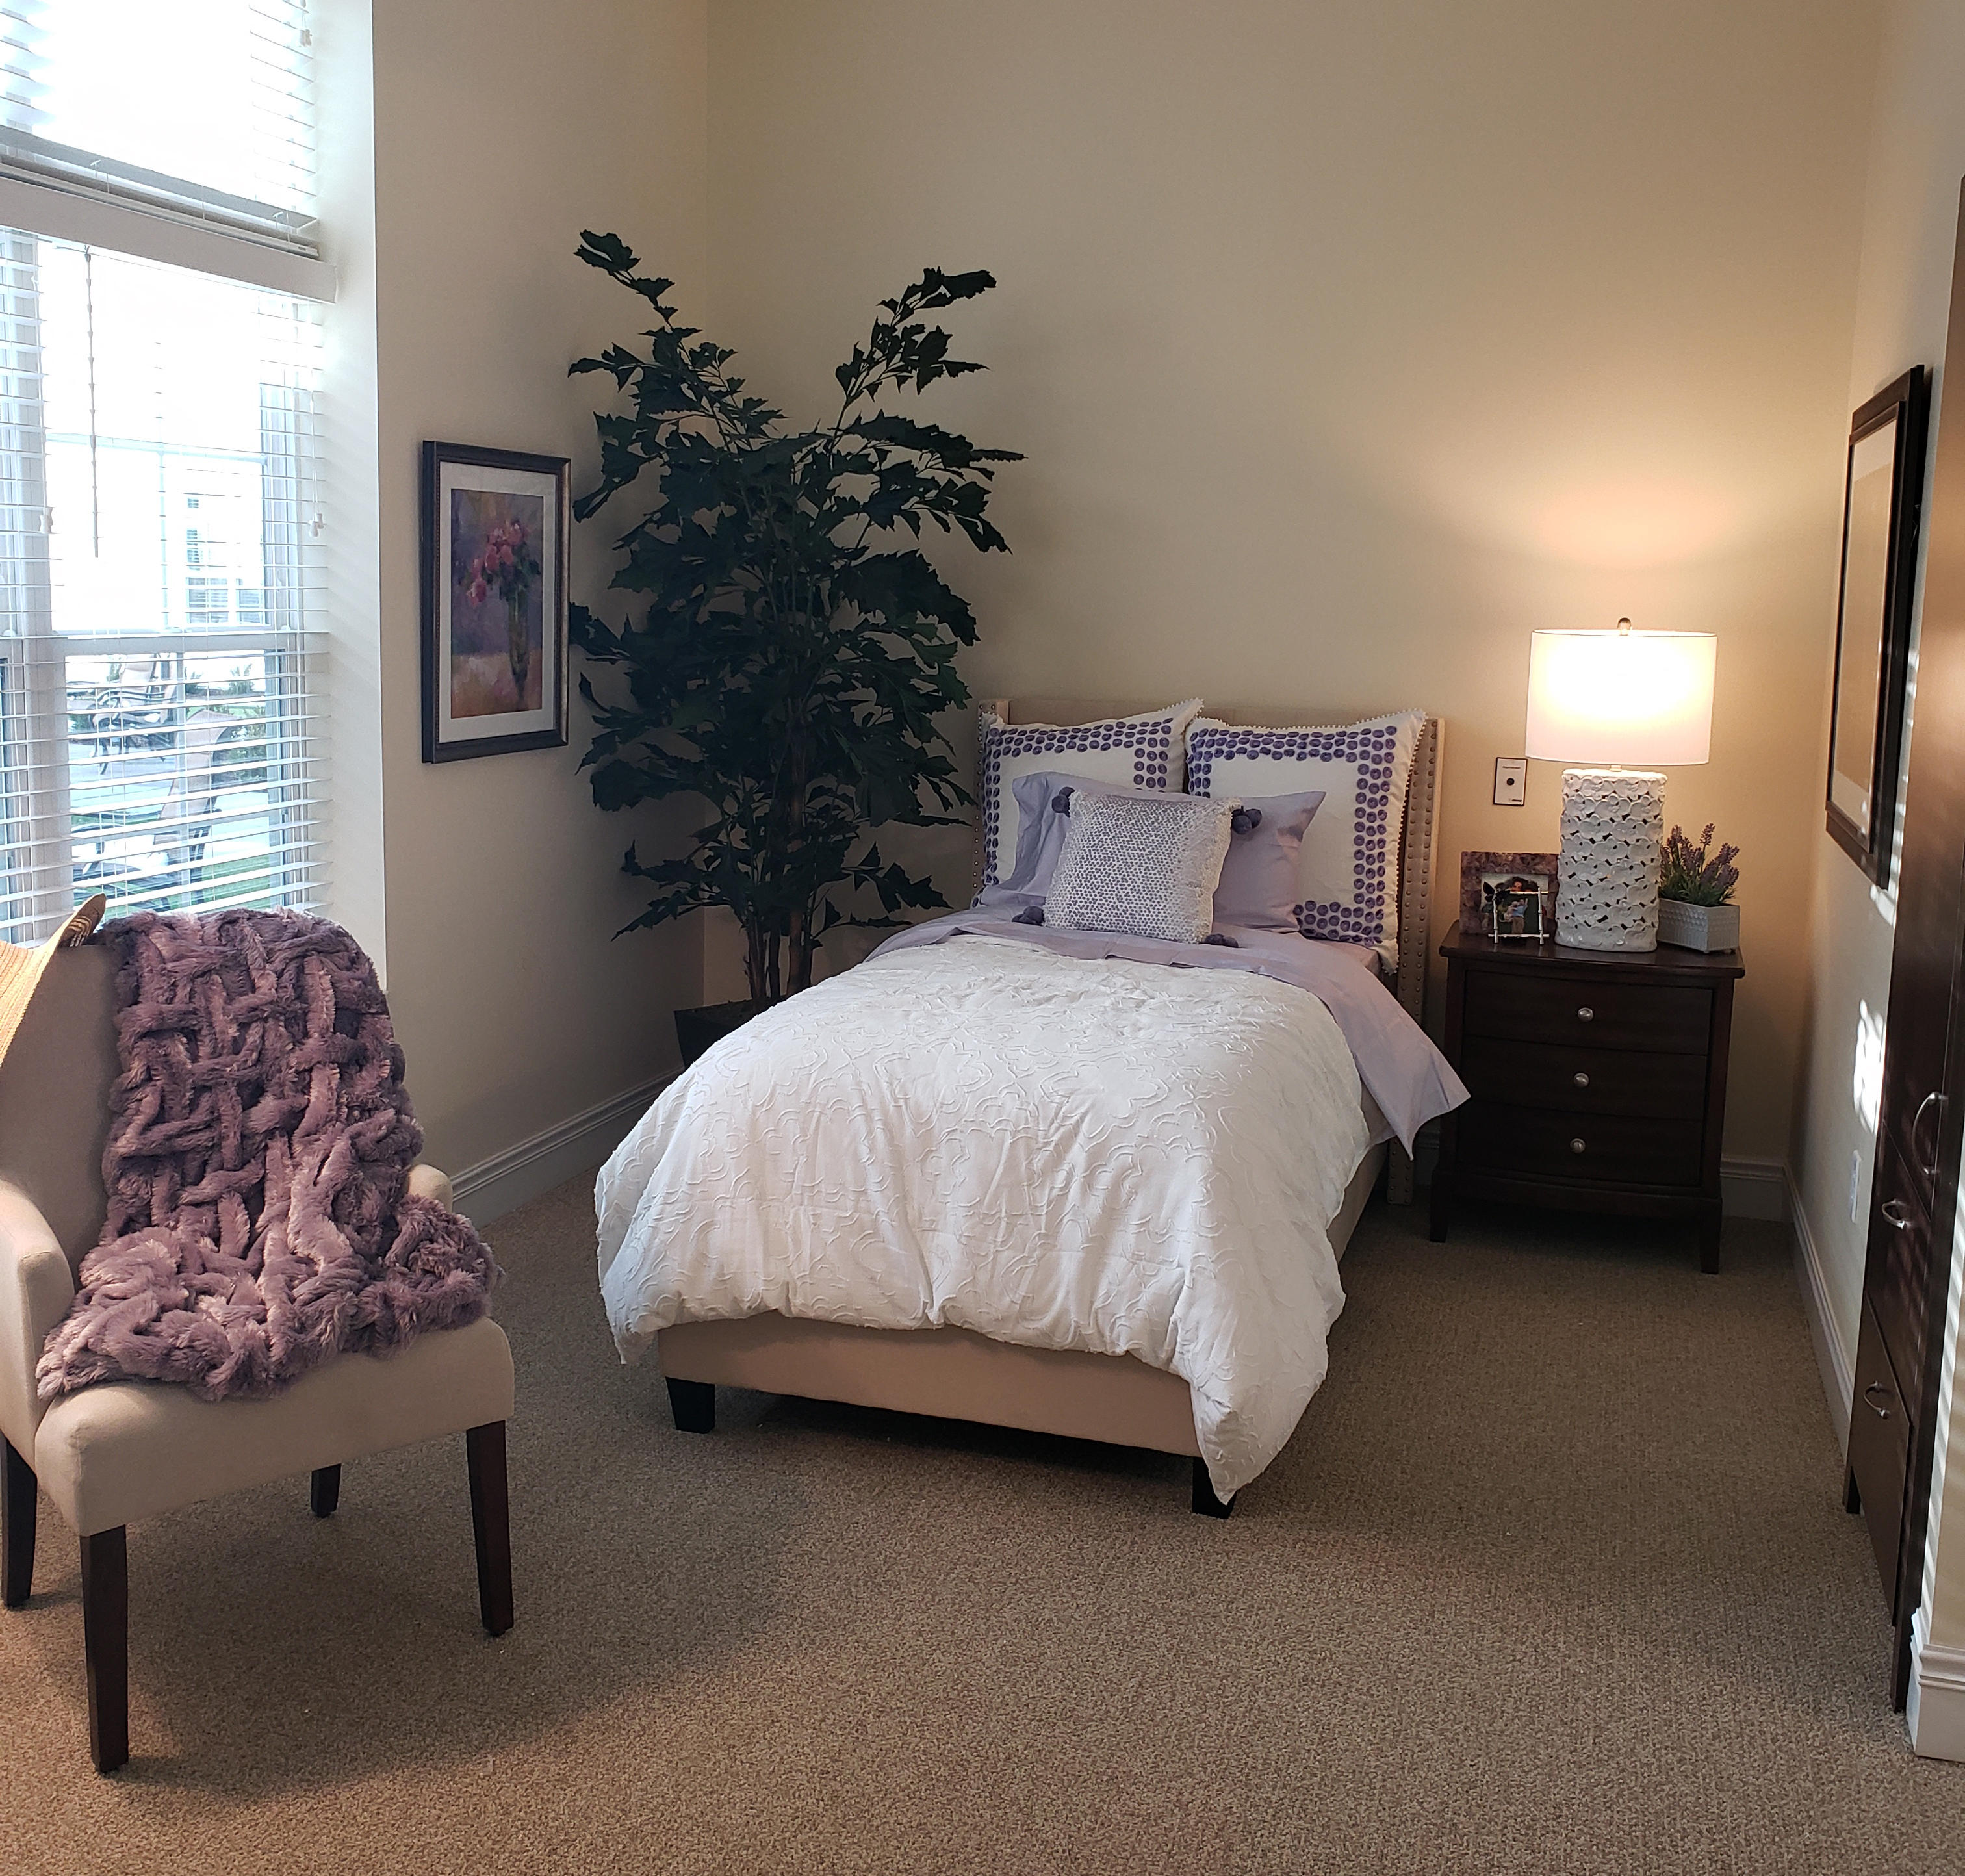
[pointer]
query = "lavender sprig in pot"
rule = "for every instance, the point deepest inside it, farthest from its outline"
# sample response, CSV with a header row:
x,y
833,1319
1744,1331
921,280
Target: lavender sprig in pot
x,y
1695,893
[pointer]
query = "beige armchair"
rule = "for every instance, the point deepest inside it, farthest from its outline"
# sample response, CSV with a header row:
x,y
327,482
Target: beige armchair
x,y
110,1455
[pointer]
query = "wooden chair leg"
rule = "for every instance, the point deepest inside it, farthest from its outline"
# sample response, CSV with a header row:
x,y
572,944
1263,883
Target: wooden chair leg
x,y
17,1511
1205,1503
693,1404
324,1490
490,1523
105,1643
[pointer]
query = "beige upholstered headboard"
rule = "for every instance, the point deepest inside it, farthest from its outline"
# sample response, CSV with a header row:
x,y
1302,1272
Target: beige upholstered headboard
x,y
1417,843
1417,839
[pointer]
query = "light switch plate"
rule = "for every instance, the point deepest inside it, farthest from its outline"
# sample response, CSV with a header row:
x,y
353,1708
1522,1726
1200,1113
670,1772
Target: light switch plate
x,y
1511,780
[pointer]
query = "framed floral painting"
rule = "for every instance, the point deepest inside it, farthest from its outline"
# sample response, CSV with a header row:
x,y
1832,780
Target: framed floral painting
x,y
495,525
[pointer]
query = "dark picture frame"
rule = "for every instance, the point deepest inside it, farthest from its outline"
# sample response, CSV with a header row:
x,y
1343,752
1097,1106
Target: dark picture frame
x,y
497,527
1883,497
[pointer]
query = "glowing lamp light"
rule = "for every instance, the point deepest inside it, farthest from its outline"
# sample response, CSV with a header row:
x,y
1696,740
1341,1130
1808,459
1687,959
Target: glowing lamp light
x,y
1626,703
1621,699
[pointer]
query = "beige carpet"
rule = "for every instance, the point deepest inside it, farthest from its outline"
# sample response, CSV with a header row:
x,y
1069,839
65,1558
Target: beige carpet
x,y
1554,1576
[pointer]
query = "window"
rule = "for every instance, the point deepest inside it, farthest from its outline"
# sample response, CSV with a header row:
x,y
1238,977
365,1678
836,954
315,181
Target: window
x,y
159,504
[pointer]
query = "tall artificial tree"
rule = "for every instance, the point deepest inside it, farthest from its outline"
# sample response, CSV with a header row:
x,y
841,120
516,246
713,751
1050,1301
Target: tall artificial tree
x,y
791,649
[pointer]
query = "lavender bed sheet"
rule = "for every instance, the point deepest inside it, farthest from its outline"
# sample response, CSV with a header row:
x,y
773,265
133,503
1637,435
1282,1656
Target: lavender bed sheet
x,y
1410,1080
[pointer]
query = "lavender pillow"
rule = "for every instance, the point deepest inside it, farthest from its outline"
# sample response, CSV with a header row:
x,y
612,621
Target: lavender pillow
x,y
1044,811
1258,877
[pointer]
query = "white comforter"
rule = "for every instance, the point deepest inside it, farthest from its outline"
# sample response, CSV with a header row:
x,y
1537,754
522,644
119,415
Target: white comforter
x,y
1062,1152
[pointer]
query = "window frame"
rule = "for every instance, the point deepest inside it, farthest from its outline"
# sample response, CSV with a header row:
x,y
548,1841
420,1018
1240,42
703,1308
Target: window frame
x,y
160,219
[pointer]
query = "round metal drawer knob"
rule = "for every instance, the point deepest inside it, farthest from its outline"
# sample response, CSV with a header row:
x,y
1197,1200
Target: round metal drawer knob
x,y
1581,1080
1577,1145
1584,1013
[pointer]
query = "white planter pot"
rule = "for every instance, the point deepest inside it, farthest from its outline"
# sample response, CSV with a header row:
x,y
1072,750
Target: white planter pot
x,y
1698,928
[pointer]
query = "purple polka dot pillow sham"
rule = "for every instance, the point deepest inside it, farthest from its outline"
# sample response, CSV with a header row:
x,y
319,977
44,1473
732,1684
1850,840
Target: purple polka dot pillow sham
x,y
1145,752
1347,875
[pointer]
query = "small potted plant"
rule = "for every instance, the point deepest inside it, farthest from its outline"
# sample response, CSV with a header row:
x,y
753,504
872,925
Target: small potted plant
x,y
1696,894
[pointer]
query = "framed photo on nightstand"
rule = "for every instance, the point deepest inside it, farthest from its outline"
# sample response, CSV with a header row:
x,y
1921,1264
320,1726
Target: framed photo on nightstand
x,y
1507,896
1513,903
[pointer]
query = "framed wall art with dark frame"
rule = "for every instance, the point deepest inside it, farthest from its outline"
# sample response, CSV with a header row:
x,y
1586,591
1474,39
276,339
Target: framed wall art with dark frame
x,y
495,532
1883,494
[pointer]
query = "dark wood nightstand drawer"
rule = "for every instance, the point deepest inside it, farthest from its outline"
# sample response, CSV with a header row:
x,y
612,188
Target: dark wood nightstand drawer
x,y
1573,1011
1546,1143
1584,1080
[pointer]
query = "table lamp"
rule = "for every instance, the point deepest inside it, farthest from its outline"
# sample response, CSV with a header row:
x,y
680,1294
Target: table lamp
x,y
1609,699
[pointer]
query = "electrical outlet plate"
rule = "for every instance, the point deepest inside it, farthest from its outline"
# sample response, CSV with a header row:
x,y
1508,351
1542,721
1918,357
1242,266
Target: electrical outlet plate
x,y
1511,780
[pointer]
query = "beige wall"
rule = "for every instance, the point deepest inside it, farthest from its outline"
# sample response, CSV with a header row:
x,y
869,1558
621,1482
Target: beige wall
x,y
1350,345
502,129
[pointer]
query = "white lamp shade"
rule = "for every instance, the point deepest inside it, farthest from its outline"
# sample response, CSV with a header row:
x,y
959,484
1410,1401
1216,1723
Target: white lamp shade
x,y
1632,699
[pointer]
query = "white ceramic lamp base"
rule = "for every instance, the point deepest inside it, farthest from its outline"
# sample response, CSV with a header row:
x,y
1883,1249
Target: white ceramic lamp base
x,y
1607,896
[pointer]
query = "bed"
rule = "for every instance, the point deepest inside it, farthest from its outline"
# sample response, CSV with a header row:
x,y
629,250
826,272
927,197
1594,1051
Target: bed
x,y
768,1302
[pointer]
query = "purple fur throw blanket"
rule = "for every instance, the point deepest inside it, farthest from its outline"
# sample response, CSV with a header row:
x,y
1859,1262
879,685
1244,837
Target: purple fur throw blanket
x,y
259,1147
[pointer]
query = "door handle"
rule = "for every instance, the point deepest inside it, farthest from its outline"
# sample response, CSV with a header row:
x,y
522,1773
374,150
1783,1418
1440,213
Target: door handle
x,y
1896,1213
1928,1168
1882,1413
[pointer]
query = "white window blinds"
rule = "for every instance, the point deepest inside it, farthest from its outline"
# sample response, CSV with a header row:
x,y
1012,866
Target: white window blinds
x,y
159,488
202,110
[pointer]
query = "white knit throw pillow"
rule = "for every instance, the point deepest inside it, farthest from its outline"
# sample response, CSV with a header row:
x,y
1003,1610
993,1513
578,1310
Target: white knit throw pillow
x,y
1145,866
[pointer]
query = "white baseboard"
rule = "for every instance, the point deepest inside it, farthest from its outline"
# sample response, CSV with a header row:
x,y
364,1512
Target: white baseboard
x,y
509,1180
1754,1189
1936,1708
1832,1353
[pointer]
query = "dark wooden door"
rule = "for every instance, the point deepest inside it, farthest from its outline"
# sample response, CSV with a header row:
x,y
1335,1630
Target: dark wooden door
x,y
1916,1188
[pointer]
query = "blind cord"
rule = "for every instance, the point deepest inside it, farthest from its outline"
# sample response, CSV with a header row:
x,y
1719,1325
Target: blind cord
x,y
95,491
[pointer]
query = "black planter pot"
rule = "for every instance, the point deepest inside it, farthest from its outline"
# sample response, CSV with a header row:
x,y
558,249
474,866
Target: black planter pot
x,y
699,1030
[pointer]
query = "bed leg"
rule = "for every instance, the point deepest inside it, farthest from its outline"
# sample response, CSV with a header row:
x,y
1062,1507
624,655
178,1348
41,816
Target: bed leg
x,y
693,1404
1205,1503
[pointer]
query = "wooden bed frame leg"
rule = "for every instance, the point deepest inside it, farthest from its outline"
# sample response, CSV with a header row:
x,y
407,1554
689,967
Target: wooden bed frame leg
x,y
18,1506
324,1490
1205,1503
105,1646
693,1404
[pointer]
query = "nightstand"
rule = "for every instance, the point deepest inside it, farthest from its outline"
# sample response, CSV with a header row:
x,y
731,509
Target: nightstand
x,y
1598,1079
